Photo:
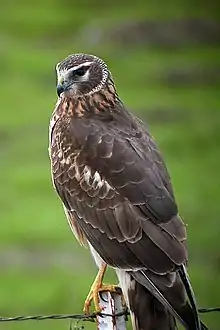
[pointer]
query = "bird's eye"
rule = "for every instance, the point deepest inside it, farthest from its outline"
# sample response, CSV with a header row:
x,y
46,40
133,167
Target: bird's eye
x,y
81,71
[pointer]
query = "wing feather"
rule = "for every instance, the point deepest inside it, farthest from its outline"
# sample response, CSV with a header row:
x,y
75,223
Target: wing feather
x,y
113,181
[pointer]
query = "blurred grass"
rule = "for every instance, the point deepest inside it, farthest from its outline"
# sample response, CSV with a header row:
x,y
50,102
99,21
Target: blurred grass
x,y
32,40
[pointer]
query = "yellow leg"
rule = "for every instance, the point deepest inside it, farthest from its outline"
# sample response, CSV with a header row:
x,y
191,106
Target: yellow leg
x,y
96,288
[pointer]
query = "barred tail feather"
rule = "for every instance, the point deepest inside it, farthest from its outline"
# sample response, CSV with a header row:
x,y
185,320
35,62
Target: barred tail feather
x,y
154,309
173,299
147,313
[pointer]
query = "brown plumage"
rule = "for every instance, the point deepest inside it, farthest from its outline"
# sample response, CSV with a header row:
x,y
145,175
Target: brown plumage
x,y
117,195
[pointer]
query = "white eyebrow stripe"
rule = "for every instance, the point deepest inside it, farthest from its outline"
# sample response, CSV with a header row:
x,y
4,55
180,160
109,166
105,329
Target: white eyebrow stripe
x,y
80,65
65,71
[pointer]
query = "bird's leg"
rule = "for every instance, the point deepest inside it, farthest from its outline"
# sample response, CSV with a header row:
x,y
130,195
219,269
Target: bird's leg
x,y
98,287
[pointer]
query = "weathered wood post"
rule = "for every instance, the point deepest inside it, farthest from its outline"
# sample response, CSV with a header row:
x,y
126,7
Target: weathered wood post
x,y
111,303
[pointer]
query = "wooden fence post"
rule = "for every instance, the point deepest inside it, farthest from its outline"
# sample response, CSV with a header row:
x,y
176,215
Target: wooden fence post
x,y
111,303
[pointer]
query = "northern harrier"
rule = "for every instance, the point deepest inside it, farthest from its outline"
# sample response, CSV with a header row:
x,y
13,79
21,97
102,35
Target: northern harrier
x,y
118,197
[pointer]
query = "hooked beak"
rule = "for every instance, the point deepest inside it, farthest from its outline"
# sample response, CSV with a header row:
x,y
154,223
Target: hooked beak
x,y
61,86
60,89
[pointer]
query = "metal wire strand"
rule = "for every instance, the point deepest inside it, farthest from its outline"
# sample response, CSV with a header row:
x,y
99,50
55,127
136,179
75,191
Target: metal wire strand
x,y
209,310
81,317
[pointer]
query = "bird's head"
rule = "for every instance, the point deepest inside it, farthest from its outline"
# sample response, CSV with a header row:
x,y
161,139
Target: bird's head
x,y
81,74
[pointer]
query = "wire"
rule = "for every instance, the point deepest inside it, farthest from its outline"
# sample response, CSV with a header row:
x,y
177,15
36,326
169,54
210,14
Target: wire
x,y
82,317
209,310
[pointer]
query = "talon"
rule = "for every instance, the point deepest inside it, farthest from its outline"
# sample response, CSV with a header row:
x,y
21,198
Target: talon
x,y
94,296
86,308
96,289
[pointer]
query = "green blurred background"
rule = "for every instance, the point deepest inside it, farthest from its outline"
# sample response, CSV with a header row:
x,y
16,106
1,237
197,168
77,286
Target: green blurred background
x,y
165,60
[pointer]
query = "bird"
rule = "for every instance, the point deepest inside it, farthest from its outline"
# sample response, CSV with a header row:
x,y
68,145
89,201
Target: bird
x,y
118,198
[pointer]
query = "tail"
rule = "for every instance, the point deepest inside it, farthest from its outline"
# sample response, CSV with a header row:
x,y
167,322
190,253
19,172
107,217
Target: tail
x,y
152,308
147,313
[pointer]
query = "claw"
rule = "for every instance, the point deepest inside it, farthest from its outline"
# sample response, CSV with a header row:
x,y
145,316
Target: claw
x,y
94,296
96,289
93,293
